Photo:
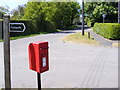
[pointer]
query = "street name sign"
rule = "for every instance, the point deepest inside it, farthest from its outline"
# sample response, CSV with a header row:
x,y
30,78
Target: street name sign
x,y
104,15
16,27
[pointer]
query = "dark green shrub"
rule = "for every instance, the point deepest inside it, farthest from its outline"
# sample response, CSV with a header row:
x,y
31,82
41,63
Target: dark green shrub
x,y
71,27
33,27
108,30
27,31
42,26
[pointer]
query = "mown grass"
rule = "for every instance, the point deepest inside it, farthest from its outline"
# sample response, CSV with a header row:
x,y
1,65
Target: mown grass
x,y
31,35
1,19
18,37
79,38
116,44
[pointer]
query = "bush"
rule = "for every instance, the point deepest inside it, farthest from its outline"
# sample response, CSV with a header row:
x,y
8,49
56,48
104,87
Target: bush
x,y
90,22
27,31
43,26
108,30
71,27
33,27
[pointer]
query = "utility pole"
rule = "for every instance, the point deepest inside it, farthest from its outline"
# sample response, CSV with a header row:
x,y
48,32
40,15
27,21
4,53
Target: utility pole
x,y
82,17
118,11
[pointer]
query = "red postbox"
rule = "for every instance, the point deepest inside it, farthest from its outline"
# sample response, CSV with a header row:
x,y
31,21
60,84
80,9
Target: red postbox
x,y
38,56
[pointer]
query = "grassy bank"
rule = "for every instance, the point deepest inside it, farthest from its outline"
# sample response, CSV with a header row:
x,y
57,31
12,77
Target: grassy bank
x,y
19,37
79,38
15,38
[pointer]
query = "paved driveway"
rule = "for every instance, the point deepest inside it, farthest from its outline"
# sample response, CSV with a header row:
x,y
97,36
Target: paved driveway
x,y
71,65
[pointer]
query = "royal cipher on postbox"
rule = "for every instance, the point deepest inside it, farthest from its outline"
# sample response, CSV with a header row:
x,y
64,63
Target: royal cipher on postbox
x,y
38,56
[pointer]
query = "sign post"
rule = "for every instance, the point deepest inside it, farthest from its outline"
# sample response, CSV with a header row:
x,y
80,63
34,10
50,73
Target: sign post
x,y
118,11
39,80
103,15
7,28
38,59
7,72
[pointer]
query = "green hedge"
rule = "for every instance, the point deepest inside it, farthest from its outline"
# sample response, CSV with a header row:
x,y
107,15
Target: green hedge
x,y
108,30
1,19
33,27
27,31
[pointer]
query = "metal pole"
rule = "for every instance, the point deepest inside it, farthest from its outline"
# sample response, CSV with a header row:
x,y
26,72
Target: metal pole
x,y
118,11
7,52
103,20
82,17
39,81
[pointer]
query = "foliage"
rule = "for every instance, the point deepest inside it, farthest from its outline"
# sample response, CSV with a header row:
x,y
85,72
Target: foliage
x,y
18,13
4,9
28,31
77,20
108,30
94,11
72,27
47,16
65,13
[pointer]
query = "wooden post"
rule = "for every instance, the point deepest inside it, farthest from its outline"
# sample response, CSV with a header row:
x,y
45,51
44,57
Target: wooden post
x,y
118,11
89,35
1,28
6,36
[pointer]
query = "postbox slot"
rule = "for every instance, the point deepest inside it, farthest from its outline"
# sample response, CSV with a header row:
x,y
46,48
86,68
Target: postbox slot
x,y
43,48
43,55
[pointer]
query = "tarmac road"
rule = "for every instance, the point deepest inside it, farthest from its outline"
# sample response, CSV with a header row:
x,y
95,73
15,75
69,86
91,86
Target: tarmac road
x,y
71,65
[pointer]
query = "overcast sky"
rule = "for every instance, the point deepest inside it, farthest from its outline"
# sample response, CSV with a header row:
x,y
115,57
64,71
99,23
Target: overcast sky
x,y
13,4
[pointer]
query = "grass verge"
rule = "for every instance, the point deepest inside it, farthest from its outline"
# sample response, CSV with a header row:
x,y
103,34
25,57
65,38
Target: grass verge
x,y
79,38
117,44
18,37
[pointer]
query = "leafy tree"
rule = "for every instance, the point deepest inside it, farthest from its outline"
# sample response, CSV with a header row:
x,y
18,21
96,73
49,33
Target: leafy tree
x,y
56,14
37,11
18,13
4,9
65,14
94,11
